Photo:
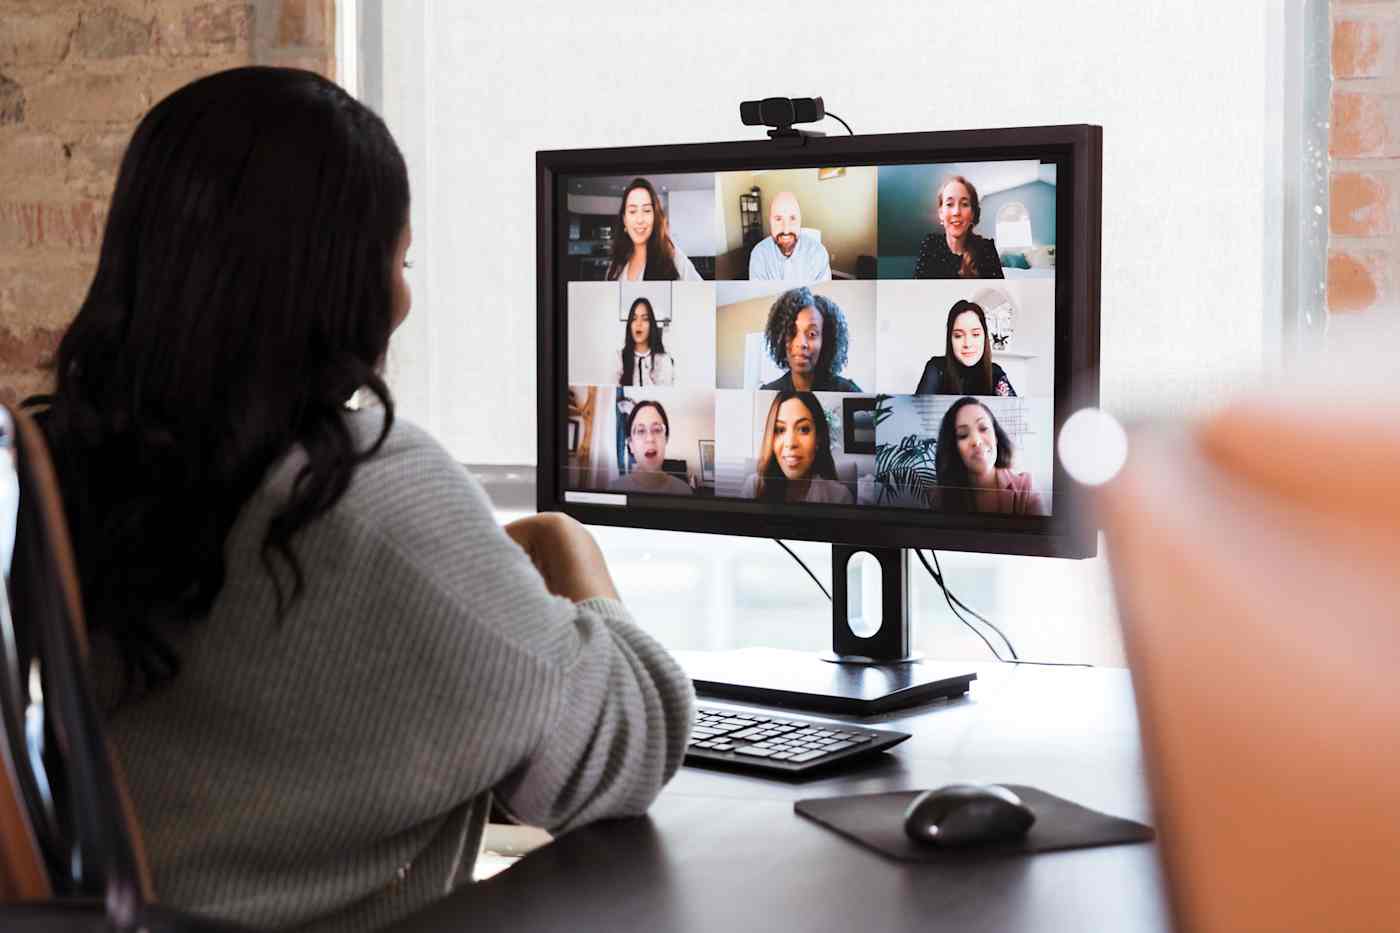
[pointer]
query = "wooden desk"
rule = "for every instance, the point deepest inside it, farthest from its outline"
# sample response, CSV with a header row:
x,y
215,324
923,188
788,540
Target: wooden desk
x,y
725,852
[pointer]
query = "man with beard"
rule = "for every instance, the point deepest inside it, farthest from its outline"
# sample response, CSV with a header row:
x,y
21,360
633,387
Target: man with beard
x,y
787,255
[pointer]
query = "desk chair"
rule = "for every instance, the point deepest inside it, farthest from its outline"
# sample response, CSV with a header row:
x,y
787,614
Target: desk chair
x,y
1260,600
70,853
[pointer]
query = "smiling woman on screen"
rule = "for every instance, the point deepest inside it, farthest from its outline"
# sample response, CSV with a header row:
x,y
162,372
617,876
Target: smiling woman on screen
x,y
794,461
966,366
955,252
974,465
646,250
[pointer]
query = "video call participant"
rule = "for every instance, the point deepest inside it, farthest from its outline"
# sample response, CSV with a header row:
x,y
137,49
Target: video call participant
x,y
646,251
806,335
252,553
973,463
966,366
648,430
956,252
787,255
643,360
795,462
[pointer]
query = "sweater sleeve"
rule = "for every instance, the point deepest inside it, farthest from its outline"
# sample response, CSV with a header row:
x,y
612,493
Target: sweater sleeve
x,y
617,733
570,712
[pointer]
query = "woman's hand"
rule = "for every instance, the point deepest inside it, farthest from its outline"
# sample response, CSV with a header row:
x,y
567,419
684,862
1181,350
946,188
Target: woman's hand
x,y
565,554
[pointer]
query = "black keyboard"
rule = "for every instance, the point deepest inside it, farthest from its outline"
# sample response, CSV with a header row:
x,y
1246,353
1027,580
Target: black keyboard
x,y
779,744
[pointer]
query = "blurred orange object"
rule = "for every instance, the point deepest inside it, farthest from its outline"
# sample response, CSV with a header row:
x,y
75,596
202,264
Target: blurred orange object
x,y
1256,560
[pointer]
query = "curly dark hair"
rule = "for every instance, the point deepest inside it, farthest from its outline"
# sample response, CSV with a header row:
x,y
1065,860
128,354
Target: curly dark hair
x,y
782,325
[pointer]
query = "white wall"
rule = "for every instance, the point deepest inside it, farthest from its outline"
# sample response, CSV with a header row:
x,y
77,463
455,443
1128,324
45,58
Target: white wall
x,y
1189,93
473,90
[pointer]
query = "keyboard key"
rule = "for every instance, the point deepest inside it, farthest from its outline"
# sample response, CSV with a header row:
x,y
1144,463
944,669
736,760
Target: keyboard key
x,y
779,744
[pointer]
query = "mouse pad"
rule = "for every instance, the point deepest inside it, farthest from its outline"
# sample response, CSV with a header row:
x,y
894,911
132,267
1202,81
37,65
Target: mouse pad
x,y
877,821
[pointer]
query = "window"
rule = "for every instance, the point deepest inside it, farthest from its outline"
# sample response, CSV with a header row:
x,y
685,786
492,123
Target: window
x,y
1203,146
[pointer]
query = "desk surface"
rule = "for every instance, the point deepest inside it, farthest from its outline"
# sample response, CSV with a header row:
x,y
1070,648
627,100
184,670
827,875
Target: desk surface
x,y
723,851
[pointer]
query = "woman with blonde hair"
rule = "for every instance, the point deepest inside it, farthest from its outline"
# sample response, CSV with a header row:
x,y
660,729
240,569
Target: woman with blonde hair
x,y
955,252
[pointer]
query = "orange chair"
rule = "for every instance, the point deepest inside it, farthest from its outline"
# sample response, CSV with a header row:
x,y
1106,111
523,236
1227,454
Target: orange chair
x,y
1256,560
70,853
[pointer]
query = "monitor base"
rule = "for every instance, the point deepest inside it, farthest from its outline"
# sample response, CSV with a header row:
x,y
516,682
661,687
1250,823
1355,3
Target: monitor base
x,y
801,680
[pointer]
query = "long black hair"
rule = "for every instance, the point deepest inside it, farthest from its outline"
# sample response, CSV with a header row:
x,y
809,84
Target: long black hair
x,y
955,493
958,379
654,343
661,258
243,293
772,481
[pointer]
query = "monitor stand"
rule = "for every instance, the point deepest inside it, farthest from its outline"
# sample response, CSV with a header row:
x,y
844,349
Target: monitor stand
x,y
862,674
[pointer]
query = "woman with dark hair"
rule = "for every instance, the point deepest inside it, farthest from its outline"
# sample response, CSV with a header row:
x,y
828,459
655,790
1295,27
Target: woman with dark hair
x,y
973,465
806,335
323,656
646,250
956,252
794,461
648,430
644,360
966,366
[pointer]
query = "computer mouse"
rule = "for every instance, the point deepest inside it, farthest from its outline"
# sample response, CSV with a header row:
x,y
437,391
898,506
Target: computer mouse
x,y
967,815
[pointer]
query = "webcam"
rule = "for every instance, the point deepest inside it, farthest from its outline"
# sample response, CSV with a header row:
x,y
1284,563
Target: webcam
x,y
781,113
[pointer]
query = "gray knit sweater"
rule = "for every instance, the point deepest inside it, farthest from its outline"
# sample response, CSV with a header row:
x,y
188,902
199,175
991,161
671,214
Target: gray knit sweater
x,y
334,771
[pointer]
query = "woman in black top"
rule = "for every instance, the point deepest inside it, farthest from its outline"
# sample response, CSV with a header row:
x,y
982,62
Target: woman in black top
x,y
956,252
807,336
971,370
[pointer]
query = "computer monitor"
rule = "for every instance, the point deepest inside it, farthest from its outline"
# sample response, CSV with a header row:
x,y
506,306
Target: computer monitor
x,y
867,340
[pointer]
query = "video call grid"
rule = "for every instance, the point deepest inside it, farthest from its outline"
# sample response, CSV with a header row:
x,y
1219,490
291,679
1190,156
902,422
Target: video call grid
x,y
886,324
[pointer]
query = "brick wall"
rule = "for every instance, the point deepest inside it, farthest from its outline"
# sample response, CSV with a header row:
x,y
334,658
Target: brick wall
x,y
75,76
1363,255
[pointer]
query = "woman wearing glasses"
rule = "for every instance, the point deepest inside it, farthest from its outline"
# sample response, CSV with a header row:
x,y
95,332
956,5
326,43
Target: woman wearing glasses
x,y
648,429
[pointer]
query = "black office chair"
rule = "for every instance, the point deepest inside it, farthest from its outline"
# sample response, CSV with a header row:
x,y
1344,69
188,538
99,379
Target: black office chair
x,y
70,852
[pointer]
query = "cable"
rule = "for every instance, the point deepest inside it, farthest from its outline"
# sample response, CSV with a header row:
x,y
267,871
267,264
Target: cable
x,y
805,567
939,567
948,596
842,122
953,604
938,578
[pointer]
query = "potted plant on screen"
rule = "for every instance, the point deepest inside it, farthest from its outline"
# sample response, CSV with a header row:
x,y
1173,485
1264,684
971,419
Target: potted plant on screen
x,y
904,470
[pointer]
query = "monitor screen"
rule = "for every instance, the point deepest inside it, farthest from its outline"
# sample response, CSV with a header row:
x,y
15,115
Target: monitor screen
x,y
864,339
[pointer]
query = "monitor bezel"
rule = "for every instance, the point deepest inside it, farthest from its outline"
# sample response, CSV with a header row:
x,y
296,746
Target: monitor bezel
x,y
1065,533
